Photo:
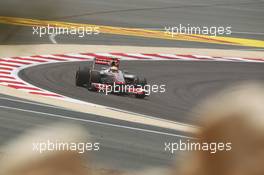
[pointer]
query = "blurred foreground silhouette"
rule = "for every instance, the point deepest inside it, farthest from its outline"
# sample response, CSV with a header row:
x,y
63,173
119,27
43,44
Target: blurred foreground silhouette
x,y
234,115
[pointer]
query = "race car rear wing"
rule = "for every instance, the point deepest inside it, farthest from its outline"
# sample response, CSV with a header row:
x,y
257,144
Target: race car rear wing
x,y
105,61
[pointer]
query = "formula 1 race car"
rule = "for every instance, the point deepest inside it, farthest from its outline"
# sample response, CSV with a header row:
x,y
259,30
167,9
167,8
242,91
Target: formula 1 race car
x,y
110,79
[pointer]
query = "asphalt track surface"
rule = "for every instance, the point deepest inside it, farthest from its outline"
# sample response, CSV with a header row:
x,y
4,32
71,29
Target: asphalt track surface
x,y
244,16
186,84
120,148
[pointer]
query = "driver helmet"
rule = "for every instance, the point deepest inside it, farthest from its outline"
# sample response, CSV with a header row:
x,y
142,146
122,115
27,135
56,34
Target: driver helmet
x,y
114,63
114,69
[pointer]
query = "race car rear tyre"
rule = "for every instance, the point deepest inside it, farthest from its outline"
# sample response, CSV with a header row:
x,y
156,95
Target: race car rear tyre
x,y
95,77
82,77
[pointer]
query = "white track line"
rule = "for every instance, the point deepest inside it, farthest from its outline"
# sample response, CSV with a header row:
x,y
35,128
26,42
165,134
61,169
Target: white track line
x,y
248,33
97,122
52,38
29,102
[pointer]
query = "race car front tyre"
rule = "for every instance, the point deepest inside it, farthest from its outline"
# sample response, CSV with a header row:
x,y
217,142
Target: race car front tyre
x,y
82,77
141,82
140,95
